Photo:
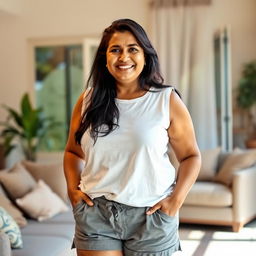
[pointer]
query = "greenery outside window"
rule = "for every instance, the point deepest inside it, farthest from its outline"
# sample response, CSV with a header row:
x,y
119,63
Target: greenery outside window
x,y
58,84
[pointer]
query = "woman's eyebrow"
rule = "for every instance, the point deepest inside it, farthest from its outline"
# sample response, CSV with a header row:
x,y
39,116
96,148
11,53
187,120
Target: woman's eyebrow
x,y
129,45
114,46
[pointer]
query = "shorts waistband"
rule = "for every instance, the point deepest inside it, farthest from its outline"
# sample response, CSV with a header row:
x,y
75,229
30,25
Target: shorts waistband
x,y
121,206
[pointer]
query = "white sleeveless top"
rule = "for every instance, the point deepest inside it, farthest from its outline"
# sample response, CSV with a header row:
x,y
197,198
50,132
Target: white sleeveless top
x,y
131,164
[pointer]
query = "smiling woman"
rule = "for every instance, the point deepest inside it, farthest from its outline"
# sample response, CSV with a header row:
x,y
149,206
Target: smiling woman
x,y
120,180
125,60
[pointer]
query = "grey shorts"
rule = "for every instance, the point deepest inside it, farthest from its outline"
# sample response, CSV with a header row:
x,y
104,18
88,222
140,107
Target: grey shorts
x,y
109,225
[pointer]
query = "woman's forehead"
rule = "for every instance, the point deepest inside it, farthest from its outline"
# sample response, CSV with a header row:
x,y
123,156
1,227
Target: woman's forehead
x,y
124,38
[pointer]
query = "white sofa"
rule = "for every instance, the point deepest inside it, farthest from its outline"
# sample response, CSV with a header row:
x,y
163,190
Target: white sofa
x,y
224,193
51,236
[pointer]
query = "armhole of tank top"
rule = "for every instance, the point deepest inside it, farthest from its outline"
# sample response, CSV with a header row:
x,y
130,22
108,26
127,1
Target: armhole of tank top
x,y
170,91
84,102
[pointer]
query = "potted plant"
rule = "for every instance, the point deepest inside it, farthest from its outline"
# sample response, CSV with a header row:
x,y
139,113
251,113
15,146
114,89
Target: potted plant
x,y
246,99
29,128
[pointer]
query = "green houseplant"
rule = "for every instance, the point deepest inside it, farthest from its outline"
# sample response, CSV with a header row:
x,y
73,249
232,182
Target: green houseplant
x,y
29,128
246,97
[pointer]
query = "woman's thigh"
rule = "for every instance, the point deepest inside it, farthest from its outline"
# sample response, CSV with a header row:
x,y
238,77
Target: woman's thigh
x,y
99,253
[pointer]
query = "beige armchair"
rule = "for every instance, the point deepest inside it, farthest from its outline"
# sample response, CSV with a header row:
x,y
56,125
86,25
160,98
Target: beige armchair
x,y
225,191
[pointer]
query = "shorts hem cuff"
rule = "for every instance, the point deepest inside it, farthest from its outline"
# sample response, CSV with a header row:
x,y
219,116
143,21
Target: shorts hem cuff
x,y
98,245
166,252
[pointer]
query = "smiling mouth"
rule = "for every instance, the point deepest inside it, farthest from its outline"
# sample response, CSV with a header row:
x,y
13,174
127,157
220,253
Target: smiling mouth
x,y
125,67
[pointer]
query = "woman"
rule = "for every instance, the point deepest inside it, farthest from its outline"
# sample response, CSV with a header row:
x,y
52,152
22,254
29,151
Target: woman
x,y
121,184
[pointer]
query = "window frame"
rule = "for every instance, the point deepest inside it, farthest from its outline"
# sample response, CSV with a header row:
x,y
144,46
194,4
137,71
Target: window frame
x,y
85,41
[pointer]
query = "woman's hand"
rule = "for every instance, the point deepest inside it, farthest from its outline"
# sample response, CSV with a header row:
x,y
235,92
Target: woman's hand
x,y
77,195
169,206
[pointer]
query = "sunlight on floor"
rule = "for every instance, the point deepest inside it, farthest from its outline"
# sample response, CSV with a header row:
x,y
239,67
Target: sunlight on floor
x,y
208,242
234,248
244,234
196,234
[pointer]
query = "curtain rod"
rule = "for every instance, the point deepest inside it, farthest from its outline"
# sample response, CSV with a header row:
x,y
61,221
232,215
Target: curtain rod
x,y
175,3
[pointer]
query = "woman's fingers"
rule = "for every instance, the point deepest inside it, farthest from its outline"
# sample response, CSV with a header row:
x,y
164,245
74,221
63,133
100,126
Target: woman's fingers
x,y
77,196
153,209
87,199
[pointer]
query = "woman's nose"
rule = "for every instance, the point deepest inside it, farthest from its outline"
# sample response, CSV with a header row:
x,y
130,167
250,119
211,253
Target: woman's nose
x,y
123,56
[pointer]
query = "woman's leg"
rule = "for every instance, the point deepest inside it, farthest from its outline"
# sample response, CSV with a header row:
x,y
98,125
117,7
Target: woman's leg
x,y
99,253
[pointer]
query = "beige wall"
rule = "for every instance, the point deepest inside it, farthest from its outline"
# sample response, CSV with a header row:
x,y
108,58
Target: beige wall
x,y
10,6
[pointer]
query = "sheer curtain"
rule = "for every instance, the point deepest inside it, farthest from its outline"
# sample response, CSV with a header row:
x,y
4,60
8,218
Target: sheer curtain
x,y
183,36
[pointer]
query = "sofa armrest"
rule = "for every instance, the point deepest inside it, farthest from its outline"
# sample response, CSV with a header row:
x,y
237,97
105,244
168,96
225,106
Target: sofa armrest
x,y
244,191
5,246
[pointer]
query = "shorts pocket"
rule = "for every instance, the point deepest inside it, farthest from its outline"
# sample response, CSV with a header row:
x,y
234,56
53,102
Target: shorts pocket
x,y
77,206
165,216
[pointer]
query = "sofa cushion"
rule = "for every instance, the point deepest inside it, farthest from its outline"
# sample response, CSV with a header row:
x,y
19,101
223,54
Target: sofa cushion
x,y
53,229
63,218
209,164
10,227
238,160
52,174
204,193
12,209
17,181
5,248
41,203
49,245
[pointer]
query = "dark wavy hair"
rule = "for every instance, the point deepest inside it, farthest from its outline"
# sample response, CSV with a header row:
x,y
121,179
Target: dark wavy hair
x,y
102,109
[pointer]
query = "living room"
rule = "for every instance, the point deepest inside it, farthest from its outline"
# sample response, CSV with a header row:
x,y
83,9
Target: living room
x,y
215,40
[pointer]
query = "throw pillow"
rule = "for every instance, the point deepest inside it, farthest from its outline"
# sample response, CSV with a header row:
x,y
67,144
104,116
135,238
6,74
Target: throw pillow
x,y
209,164
41,203
10,227
13,211
17,181
234,162
52,174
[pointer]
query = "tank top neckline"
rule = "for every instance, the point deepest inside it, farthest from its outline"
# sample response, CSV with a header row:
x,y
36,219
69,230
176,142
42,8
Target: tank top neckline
x,y
134,99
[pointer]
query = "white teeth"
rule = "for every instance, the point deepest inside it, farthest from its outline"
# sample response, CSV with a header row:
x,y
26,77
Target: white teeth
x,y
125,67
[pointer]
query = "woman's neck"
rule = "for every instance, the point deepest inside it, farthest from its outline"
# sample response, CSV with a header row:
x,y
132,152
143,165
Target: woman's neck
x,y
129,92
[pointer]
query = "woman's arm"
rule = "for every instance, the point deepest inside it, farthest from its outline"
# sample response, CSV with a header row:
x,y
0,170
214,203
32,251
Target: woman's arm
x,y
74,159
183,141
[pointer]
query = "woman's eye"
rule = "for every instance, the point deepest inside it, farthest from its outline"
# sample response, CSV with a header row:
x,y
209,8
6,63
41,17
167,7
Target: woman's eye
x,y
114,50
133,49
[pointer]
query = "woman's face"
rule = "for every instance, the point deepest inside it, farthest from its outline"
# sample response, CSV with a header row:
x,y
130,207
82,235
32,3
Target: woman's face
x,y
125,58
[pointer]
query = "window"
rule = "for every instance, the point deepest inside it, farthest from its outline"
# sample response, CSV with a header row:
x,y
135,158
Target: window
x,y
59,69
58,84
223,89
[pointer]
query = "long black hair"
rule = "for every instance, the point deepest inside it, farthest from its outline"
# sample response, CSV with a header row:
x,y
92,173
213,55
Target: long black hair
x,y
102,109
